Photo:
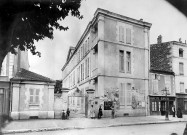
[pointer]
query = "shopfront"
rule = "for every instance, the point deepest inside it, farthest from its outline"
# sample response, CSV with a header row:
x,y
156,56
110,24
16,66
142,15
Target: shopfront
x,y
158,104
181,102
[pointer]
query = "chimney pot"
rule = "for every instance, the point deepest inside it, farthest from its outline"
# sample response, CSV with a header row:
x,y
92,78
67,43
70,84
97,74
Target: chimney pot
x,y
180,40
159,39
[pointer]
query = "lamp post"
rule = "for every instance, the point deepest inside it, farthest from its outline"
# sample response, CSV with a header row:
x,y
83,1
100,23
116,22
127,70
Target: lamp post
x,y
166,114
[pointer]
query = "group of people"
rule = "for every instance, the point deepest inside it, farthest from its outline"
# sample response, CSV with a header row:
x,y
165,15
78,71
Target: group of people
x,y
65,115
92,112
179,112
100,112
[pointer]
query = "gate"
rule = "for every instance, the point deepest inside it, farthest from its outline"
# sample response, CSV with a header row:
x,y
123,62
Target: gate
x,y
78,106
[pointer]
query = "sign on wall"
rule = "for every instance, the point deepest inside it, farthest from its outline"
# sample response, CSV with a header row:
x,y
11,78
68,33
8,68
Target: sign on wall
x,y
108,105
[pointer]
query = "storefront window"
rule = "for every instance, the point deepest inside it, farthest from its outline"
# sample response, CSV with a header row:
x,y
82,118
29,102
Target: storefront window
x,y
154,106
158,106
185,105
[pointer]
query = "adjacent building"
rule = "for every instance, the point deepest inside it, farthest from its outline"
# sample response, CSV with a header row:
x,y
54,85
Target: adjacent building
x,y
110,63
161,92
11,64
32,96
171,56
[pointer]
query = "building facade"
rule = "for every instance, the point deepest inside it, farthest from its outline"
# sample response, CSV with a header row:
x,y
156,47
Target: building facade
x,y
175,57
32,96
162,94
111,63
10,66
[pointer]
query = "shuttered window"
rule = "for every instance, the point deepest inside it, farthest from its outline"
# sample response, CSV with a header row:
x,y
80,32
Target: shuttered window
x,y
88,66
128,60
155,86
181,87
121,61
122,94
129,94
181,68
34,96
128,36
121,34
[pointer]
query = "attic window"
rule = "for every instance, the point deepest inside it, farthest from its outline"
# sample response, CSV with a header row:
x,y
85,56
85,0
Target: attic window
x,y
180,52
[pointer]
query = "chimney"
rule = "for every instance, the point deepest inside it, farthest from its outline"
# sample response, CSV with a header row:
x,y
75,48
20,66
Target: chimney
x,y
159,39
180,40
185,41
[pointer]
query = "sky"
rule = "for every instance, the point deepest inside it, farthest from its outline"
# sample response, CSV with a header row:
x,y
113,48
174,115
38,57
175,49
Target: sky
x,y
165,19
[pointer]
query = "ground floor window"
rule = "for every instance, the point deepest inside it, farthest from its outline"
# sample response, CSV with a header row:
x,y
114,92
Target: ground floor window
x,y
185,105
154,106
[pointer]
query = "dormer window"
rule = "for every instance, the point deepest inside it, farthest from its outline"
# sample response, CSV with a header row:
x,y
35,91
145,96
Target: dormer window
x,y
180,52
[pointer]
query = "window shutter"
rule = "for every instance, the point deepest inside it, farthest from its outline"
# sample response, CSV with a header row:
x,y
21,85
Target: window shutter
x,y
121,60
122,94
128,36
128,64
129,94
31,95
121,34
37,96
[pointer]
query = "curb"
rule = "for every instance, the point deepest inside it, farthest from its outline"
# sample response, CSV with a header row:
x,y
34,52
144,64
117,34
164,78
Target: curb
x,y
79,128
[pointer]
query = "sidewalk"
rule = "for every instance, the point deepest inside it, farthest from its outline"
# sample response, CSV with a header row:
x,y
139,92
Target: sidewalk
x,y
82,123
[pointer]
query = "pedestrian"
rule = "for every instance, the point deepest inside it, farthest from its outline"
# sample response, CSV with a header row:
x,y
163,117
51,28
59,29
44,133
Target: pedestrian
x,y
63,115
100,113
92,112
179,113
173,110
113,112
67,113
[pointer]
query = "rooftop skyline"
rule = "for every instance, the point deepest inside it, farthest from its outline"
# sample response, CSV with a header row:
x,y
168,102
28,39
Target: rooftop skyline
x,y
165,19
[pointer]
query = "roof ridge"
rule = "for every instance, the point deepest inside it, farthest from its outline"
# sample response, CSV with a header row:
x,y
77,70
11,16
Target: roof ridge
x,y
24,74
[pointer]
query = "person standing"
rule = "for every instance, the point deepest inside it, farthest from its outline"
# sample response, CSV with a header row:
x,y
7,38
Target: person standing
x,y
113,112
67,113
92,112
100,113
173,110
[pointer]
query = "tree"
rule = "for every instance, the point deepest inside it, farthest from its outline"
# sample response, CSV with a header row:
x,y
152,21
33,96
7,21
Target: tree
x,y
180,5
24,21
58,86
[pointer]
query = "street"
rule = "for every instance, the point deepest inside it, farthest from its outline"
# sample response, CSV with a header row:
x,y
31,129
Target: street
x,y
152,129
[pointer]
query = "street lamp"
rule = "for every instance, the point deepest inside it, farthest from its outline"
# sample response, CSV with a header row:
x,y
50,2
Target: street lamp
x,y
166,114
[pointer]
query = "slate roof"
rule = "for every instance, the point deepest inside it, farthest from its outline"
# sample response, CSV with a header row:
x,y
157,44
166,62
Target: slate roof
x,y
160,57
26,75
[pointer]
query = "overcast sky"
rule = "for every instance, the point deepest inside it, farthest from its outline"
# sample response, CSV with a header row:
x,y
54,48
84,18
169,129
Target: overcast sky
x,y
165,19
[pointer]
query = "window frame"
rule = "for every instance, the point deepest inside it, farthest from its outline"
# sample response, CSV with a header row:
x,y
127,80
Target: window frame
x,y
128,62
35,96
121,61
181,68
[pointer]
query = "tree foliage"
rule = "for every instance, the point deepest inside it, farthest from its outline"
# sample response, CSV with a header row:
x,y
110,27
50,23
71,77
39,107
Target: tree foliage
x,y
24,21
58,86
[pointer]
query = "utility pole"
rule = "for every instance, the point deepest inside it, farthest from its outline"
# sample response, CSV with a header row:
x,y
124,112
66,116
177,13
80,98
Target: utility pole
x,y
167,111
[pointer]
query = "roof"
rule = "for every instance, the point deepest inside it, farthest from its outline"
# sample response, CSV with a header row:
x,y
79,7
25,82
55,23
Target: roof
x,y
160,57
26,75
104,12
70,52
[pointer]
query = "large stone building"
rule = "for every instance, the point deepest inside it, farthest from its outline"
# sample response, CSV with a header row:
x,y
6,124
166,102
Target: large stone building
x,y
110,63
171,56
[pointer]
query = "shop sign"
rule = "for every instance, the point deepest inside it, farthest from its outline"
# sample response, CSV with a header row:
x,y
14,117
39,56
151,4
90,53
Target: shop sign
x,y
108,105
